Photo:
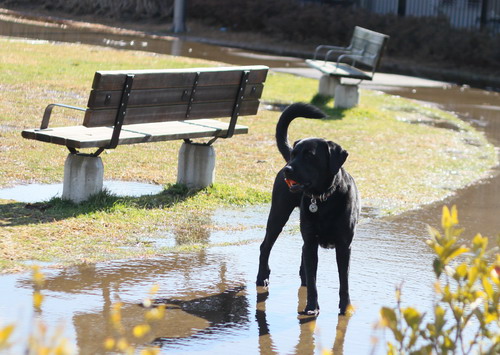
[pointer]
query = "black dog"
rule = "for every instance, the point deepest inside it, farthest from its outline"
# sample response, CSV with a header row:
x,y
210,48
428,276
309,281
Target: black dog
x,y
329,205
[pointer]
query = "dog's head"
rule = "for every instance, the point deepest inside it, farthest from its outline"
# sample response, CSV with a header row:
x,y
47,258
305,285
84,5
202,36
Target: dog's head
x,y
313,164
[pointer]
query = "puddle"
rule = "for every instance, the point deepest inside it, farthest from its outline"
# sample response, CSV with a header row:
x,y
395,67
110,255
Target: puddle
x,y
43,192
214,306
155,44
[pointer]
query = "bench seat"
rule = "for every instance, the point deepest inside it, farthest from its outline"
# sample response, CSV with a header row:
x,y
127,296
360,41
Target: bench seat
x,y
95,137
338,69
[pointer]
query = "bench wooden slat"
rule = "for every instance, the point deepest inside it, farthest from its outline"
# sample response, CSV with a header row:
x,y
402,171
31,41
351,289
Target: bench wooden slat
x,y
95,118
152,79
100,99
370,44
83,137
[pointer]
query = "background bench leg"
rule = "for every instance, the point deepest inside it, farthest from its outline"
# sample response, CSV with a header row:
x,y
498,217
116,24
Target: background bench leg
x,y
196,166
83,177
346,96
327,85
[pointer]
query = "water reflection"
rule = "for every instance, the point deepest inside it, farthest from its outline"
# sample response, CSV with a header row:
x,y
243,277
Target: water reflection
x,y
478,204
66,32
194,229
213,306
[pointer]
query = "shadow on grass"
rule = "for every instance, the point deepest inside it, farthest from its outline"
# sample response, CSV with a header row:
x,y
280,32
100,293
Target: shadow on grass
x,y
325,103
18,213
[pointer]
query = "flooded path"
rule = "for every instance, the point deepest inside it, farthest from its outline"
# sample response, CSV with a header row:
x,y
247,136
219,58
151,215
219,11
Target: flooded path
x,y
214,306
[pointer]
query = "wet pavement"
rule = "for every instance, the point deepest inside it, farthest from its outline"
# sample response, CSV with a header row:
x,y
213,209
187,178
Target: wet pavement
x,y
214,306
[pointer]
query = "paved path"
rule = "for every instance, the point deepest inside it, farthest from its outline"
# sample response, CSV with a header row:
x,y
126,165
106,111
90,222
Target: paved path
x,y
379,81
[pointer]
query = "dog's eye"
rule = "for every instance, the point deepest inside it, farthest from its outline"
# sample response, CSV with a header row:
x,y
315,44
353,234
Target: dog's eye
x,y
309,153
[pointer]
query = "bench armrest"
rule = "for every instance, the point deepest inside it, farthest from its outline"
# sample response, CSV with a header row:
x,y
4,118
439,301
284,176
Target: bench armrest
x,y
48,112
337,51
330,48
354,57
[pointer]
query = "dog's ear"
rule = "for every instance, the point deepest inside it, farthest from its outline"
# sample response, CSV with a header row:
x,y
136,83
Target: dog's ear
x,y
338,156
296,142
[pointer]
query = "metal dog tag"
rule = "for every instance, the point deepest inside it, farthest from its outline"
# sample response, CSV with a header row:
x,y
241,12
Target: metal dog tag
x,y
313,207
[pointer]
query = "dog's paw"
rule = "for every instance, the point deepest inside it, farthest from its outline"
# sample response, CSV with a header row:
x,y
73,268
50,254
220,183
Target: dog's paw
x,y
310,312
263,283
346,311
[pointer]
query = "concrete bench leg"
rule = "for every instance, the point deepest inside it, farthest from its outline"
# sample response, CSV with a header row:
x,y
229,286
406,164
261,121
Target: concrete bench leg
x,y
196,166
346,96
83,177
327,85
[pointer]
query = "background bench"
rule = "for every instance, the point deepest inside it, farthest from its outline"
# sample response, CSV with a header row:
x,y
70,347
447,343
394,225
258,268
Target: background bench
x,y
360,60
143,106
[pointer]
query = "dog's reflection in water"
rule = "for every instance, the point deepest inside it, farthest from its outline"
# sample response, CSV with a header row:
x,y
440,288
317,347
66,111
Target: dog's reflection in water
x,y
231,309
306,343
228,309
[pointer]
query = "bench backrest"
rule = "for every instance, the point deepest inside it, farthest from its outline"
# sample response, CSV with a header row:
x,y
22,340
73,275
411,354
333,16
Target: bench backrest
x,y
369,44
174,94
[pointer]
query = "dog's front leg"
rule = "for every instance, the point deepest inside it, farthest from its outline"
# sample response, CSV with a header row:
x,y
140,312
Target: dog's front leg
x,y
302,273
310,263
343,254
282,204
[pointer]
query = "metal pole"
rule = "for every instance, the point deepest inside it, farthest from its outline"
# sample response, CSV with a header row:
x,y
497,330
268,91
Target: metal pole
x,y
484,15
179,16
402,8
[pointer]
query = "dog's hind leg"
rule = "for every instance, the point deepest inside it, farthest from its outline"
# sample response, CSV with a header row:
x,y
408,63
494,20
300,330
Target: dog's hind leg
x,y
343,254
282,205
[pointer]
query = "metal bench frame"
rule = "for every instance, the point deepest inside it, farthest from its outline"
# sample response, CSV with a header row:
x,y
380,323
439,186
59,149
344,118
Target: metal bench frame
x,y
357,52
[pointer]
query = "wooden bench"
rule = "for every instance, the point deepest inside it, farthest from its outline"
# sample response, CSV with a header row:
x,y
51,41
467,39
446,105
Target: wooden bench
x,y
360,60
143,106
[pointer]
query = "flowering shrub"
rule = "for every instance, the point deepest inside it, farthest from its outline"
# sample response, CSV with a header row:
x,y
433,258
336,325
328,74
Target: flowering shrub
x,y
467,296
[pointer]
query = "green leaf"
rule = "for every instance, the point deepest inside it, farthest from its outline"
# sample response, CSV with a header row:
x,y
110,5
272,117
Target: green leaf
x,y
457,252
440,321
389,318
461,271
488,287
438,266
412,317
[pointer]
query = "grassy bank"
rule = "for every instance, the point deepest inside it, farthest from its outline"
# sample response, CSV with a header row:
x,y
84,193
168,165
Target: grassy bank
x,y
398,165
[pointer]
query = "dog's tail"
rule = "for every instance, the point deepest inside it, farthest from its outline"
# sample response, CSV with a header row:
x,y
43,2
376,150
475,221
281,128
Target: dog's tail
x,y
291,112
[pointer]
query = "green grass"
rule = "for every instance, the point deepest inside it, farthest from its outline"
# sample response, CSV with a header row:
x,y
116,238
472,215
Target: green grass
x,y
397,164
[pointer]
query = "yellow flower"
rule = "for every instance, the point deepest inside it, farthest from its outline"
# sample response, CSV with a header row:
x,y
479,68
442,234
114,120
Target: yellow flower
x,y
141,330
37,300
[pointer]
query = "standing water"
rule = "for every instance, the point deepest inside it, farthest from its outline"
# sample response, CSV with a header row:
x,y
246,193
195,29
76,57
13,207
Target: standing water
x,y
213,305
